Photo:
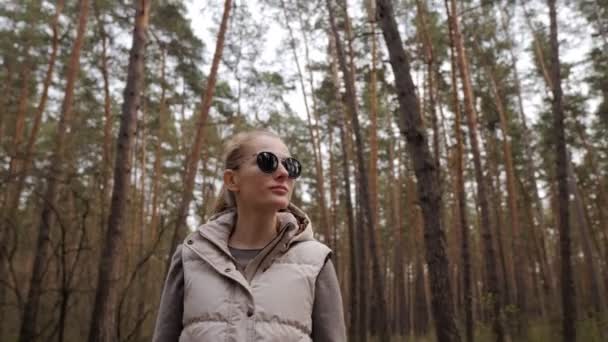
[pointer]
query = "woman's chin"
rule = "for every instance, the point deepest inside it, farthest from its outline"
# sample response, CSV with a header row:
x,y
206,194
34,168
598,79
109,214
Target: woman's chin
x,y
278,204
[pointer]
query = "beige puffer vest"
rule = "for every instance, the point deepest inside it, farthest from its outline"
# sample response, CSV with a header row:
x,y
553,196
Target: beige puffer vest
x,y
272,300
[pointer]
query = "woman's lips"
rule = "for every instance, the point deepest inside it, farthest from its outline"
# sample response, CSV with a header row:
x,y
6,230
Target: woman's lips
x,y
279,189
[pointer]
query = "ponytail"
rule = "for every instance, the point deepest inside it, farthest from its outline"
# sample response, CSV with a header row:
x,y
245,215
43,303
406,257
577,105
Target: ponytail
x,y
225,200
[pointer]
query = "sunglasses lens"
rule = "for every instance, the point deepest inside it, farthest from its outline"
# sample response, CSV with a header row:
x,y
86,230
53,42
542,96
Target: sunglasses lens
x,y
267,162
293,167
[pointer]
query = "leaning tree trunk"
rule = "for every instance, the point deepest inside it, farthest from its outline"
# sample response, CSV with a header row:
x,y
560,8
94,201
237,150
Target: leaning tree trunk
x,y
561,169
28,323
486,231
351,98
103,325
195,152
425,169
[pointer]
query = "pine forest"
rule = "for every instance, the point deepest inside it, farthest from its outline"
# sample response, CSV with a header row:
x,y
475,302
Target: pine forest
x,y
454,153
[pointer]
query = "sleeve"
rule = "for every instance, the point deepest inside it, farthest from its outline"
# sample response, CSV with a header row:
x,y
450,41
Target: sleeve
x,y
327,313
169,320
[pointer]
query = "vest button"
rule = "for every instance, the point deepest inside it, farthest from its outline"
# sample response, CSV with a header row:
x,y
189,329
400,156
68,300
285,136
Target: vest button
x,y
227,270
249,312
190,242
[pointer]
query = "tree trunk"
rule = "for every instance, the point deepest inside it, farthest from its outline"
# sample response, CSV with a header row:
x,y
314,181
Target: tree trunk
x,y
313,137
561,169
333,200
160,136
522,282
601,186
430,68
364,199
548,278
6,89
506,272
596,293
356,300
399,316
461,197
106,171
375,325
426,173
195,152
140,231
538,51
351,98
373,115
28,323
16,158
316,136
14,197
486,231
103,325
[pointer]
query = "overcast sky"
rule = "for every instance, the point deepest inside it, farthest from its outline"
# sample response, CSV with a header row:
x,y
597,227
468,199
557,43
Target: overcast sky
x,y
574,49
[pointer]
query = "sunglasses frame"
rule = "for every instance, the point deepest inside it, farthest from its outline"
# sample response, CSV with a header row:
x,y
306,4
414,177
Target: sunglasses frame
x,y
277,159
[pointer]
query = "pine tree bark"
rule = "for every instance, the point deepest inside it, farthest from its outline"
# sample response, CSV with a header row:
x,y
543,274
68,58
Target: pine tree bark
x,y
320,179
357,301
373,118
561,169
430,69
106,171
351,98
160,137
547,275
16,158
29,149
596,293
333,200
103,318
522,282
195,152
461,196
426,173
141,240
600,185
6,89
506,273
399,316
538,51
486,231
27,330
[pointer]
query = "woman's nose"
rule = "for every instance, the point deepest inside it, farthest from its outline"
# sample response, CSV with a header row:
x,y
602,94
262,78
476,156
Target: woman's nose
x,y
281,172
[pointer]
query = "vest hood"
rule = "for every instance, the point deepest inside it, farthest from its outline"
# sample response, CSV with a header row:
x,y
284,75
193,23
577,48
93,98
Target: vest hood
x,y
293,222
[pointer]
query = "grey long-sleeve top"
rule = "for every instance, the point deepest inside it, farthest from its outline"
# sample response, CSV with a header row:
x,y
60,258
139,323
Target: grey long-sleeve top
x,y
327,314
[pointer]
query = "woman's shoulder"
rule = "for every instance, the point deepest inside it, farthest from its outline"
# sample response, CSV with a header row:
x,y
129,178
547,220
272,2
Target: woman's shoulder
x,y
309,252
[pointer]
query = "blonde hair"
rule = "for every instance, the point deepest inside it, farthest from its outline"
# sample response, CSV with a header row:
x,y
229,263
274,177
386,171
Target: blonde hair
x,y
234,151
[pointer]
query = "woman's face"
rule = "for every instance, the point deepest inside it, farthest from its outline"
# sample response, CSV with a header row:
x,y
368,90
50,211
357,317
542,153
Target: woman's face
x,y
253,187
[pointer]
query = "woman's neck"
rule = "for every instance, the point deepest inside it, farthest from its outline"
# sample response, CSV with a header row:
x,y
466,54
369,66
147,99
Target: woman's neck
x,y
253,229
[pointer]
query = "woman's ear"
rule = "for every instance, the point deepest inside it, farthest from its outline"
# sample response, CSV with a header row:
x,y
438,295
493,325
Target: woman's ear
x,y
231,180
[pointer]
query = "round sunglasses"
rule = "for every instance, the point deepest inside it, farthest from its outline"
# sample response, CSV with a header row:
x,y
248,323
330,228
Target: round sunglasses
x,y
268,162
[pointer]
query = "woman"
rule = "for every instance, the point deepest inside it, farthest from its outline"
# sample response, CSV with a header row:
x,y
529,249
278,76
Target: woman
x,y
253,272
